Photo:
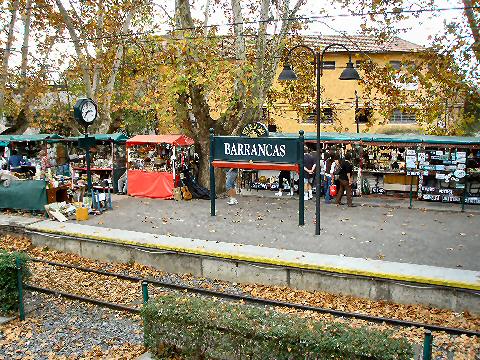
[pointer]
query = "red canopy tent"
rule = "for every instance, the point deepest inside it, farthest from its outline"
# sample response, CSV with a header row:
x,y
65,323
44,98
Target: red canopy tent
x,y
176,140
154,184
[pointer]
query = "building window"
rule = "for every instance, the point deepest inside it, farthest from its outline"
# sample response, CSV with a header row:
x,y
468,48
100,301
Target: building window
x,y
363,115
397,65
400,117
326,118
328,65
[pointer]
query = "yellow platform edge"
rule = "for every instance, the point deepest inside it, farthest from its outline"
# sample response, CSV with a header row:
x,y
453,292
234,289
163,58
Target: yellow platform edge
x,y
270,261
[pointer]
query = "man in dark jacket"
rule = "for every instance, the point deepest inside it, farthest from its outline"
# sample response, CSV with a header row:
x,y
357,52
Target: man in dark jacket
x,y
345,176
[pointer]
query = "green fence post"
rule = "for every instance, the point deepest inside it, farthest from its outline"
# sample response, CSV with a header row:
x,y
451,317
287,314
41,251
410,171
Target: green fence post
x,y
427,345
212,173
145,292
21,308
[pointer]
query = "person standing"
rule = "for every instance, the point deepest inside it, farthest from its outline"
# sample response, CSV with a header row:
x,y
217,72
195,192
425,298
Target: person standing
x,y
284,176
14,161
329,163
345,177
230,185
122,183
309,173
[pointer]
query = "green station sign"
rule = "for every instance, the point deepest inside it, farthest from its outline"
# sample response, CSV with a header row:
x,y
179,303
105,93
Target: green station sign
x,y
260,149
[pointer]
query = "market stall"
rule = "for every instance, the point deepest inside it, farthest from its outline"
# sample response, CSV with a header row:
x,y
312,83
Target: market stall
x,y
154,164
435,168
33,181
108,160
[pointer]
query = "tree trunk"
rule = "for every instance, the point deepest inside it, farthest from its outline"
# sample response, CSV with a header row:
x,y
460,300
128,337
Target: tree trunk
x,y
6,57
107,119
204,167
76,42
473,22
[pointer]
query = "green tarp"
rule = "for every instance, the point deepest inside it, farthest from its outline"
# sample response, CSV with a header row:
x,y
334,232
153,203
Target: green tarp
x,y
387,139
24,195
5,140
115,137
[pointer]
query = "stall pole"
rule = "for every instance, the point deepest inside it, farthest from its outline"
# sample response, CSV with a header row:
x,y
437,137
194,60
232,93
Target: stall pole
x,y
360,167
464,193
212,173
301,200
113,168
411,190
87,156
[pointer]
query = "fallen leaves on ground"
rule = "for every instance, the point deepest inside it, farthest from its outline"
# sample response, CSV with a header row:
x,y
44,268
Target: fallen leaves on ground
x,y
121,291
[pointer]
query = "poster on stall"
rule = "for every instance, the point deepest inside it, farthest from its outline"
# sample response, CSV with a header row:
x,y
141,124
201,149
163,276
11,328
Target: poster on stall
x,y
439,176
410,152
411,162
439,152
461,166
422,158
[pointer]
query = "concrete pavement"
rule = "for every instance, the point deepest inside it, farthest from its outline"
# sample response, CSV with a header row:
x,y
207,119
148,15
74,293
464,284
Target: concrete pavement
x,y
448,239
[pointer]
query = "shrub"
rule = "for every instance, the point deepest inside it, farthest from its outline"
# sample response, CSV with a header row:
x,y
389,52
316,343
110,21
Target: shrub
x,y
198,328
8,280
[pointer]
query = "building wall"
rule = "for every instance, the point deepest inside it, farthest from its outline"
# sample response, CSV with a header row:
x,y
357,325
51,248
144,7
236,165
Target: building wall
x,y
342,93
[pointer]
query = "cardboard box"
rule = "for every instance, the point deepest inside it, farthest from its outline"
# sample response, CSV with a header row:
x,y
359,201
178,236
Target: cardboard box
x,y
81,213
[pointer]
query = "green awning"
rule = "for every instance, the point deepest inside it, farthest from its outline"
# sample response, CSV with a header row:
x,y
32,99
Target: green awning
x,y
33,137
115,137
386,139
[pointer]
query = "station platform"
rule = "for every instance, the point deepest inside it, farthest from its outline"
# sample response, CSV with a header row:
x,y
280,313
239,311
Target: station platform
x,y
451,288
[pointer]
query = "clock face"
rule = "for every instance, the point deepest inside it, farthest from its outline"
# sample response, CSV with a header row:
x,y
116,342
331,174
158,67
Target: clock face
x,y
89,111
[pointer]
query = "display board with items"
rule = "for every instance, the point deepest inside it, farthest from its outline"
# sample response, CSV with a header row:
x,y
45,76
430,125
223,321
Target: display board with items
x,y
449,174
155,162
385,168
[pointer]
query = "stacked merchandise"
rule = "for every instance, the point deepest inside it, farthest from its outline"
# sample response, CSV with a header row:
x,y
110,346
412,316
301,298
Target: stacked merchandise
x,y
153,157
448,175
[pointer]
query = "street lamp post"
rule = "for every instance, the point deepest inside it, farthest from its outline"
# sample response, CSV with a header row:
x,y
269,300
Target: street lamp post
x,y
349,73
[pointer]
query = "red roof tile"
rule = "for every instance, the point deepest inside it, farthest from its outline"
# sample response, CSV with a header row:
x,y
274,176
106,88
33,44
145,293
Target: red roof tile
x,y
363,43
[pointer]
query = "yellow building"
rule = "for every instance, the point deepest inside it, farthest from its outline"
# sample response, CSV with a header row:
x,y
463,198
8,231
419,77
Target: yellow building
x,y
340,115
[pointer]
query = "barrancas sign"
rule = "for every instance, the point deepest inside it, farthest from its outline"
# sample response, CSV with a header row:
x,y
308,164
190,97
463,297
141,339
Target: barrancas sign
x,y
261,149
255,145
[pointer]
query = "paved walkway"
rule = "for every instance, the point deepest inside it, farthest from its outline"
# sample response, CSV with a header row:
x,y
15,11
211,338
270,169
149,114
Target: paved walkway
x,y
427,237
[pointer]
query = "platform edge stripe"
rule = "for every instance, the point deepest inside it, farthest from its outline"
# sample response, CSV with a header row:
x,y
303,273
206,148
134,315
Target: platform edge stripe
x,y
270,261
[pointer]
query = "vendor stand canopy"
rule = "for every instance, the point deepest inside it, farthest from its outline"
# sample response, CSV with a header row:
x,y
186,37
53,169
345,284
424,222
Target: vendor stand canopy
x,y
176,140
387,139
115,137
5,140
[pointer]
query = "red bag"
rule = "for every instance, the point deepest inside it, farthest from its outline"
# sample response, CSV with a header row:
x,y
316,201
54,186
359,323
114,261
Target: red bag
x,y
333,190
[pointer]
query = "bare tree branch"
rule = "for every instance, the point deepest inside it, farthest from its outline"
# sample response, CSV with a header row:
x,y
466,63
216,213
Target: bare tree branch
x,y
6,57
76,42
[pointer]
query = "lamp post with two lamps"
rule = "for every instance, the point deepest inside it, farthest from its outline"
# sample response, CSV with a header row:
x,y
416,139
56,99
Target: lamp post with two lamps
x,y
349,73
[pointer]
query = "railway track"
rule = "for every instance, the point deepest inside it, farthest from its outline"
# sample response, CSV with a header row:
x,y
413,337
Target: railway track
x,y
230,296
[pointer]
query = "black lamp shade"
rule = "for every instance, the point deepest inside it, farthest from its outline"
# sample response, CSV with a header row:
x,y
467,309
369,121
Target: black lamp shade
x,y
349,73
287,74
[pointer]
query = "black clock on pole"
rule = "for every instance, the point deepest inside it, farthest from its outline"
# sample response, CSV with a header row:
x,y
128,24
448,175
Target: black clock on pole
x,y
85,112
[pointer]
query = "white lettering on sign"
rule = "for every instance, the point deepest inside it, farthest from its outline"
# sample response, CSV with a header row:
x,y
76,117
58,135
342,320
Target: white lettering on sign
x,y
269,150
